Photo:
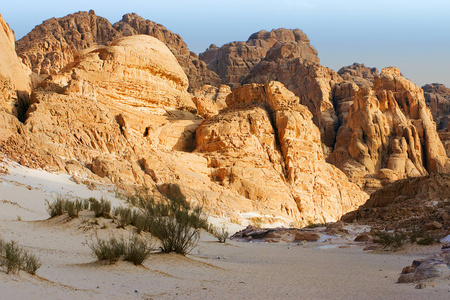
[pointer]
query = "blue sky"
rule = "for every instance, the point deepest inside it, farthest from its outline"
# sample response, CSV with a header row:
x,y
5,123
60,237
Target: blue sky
x,y
412,35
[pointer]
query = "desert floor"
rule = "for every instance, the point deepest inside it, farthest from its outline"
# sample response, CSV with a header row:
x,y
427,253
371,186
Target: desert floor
x,y
234,270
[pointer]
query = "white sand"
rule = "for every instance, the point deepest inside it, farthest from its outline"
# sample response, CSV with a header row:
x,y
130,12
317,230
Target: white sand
x,y
234,270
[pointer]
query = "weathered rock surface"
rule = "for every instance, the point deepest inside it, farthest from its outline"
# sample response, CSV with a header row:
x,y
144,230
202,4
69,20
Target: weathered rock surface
x,y
407,203
15,82
195,69
107,116
389,133
50,46
137,71
234,61
430,268
266,135
309,81
359,74
437,97
275,235
217,94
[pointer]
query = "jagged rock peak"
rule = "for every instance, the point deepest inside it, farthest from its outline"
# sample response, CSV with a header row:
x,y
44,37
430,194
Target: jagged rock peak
x,y
49,47
437,97
357,72
234,61
389,133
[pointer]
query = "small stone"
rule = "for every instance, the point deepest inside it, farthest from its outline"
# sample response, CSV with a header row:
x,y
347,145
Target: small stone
x,y
408,269
364,237
433,226
421,286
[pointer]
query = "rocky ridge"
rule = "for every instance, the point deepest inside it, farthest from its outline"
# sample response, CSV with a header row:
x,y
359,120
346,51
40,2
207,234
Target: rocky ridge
x,y
121,114
437,97
408,203
49,47
234,61
266,135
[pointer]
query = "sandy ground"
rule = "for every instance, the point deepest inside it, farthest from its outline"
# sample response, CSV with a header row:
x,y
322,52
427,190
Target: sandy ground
x,y
234,270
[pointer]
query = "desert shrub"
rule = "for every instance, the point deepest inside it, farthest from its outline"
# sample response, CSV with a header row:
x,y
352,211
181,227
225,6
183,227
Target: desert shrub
x,y
30,263
394,240
134,250
426,240
256,222
14,258
137,250
220,233
315,225
174,222
62,205
111,249
57,207
71,209
123,215
101,208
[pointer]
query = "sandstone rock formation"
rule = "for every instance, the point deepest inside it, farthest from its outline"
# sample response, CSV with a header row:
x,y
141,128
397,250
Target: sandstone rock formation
x,y
266,135
407,203
121,114
137,71
195,69
234,61
359,74
15,82
389,132
210,100
309,81
50,46
437,97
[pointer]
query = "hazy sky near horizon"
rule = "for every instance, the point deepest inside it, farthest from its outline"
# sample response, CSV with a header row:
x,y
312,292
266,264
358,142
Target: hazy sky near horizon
x,y
410,34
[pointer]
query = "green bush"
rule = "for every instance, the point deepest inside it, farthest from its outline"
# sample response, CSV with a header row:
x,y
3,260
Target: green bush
x,y
14,258
134,250
111,249
394,240
62,205
220,233
57,207
137,250
101,208
174,222
426,240
71,209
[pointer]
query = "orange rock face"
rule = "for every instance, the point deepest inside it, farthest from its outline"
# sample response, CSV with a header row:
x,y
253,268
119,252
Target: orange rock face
x,y
234,61
49,47
389,132
266,136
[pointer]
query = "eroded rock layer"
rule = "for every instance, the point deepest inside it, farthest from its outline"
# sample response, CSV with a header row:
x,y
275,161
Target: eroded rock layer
x,y
409,203
234,61
437,97
388,133
265,147
50,46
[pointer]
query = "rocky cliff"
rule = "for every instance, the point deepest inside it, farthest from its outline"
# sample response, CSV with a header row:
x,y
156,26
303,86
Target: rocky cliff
x,y
15,80
437,97
234,61
389,133
266,135
50,46
121,114
411,203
